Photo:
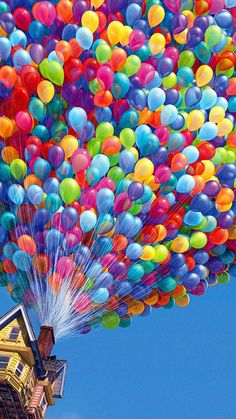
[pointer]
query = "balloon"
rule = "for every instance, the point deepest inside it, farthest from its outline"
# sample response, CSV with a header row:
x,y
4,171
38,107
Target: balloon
x,y
69,190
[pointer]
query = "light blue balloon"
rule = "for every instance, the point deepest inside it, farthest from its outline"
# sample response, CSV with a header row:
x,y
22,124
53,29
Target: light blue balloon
x,y
5,48
35,194
18,38
65,170
185,184
54,57
192,218
100,296
140,132
218,47
156,98
77,118
156,82
211,224
88,221
104,200
94,269
102,163
222,102
84,37
22,260
208,131
191,153
16,194
9,249
21,58
54,238
209,98
134,251
169,115
37,109
127,161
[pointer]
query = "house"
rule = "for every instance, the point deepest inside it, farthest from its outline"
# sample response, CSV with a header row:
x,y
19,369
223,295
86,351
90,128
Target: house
x,y
30,378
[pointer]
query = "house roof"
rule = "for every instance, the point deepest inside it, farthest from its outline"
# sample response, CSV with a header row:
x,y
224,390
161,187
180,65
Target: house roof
x,y
15,313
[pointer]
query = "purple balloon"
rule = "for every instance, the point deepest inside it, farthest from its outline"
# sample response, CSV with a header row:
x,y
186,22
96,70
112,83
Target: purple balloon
x,y
7,22
79,7
37,53
211,188
179,23
195,36
135,191
69,217
56,156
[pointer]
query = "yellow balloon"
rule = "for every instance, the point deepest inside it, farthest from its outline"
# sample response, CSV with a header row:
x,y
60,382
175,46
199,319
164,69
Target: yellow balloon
x,y
208,169
156,14
126,31
45,91
152,183
90,20
204,75
97,3
143,169
181,37
161,253
225,127
157,43
183,301
6,127
115,32
148,253
180,244
217,113
195,120
69,144
190,16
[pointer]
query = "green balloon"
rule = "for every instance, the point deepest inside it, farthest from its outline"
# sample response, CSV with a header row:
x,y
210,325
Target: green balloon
x,y
69,190
213,35
94,146
127,137
132,65
103,53
223,278
18,169
89,284
110,320
135,209
186,59
59,130
114,158
94,86
147,266
43,67
55,73
116,173
104,130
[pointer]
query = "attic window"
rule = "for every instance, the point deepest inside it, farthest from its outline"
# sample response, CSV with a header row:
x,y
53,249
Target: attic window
x,y
4,361
19,369
14,334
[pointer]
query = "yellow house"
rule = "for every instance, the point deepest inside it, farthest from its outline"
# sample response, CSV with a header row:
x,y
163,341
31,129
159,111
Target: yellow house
x,y
30,378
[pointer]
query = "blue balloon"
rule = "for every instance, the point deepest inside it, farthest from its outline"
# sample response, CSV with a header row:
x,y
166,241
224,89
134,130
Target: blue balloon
x,y
5,47
105,223
193,96
22,261
120,86
16,194
9,249
104,200
35,194
208,99
84,37
88,221
134,251
102,246
191,153
208,131
101,163
51,185
54,239
169,114
185,184
156,98
21,58
133,13
100,296
77,118
127,161
69,217
193,218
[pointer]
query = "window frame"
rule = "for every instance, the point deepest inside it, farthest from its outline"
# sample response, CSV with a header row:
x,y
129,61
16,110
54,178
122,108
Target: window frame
x,y
2,361
18,371
12,335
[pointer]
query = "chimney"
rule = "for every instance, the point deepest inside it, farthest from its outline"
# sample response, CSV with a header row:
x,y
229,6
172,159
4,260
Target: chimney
x,y
46,341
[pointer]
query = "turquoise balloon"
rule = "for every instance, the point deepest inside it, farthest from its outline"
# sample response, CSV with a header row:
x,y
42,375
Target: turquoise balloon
x,y
208,131
16,194
156,98
209,98
37,109
169,115
185,184
88,221
84,37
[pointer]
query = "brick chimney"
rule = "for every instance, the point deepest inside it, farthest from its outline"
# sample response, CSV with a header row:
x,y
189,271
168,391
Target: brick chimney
x,y
46,341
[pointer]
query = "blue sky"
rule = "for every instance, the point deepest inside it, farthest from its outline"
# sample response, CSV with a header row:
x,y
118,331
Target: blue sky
x,y
174,364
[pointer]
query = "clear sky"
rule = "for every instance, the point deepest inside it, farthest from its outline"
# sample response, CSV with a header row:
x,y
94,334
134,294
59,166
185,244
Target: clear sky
x,y
174,364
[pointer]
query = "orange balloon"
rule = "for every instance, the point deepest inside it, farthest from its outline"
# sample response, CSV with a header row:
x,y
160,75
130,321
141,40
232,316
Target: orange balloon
x,y
9,154
111,145
64,10
152,298
225,196
78,279
55,282
183,301
75,48
163,299
31,180
118,59
199,185
6,127
63,50
8,76
102,98
136,307
27,244
41,263
179,291
178,162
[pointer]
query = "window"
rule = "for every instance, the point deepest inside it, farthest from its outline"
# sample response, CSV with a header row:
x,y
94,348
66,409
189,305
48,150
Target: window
x,y
15,331
4,361
19,369
43,404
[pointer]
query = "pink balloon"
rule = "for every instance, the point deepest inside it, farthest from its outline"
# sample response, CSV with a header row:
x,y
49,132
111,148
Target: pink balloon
x,y
105,77
82,303
173,5
65,266
122,203
80,160
217,6
45,12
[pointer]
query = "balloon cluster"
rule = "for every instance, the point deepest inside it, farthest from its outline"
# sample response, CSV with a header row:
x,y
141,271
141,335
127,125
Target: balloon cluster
x,y
118,146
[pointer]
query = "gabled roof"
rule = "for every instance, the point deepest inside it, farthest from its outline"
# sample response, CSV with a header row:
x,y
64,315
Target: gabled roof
x,y
15,313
